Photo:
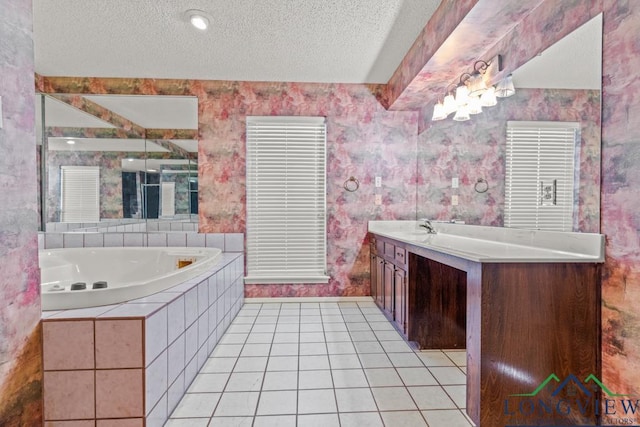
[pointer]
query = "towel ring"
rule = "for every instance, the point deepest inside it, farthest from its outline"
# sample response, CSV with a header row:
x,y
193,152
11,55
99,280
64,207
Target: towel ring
x,y
351,185
481,185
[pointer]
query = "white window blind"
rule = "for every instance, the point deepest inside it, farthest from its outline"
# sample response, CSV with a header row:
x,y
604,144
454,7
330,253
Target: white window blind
x,y
80,193
286,200
540,164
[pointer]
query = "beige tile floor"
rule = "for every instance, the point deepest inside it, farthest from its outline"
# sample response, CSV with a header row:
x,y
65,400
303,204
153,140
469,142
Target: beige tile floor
x,y
323,364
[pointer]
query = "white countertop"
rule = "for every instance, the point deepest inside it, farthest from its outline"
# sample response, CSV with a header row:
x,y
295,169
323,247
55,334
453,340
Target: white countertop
x,y
496,244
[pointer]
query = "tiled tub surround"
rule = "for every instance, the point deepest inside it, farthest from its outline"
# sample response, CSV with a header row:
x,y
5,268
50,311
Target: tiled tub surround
x,y
227,242
124,363
125,225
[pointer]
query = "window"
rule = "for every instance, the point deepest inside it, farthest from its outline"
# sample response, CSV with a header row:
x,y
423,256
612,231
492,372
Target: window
x,y
286,200
80,194
540,164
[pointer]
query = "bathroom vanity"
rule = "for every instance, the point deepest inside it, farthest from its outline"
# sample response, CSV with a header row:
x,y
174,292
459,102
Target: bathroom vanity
x,y
524,304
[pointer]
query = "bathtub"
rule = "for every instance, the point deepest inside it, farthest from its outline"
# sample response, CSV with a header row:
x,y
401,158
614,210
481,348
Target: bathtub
x,y
129,273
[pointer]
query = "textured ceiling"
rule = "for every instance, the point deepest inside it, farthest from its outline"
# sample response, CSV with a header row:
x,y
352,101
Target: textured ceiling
x,y
346,41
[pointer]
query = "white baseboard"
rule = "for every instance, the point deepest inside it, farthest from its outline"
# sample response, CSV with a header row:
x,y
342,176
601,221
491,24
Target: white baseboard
x,y
307,299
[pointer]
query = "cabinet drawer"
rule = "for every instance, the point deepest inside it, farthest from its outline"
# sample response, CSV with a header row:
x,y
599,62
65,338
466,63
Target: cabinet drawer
x,y
389,250
400,255
379,247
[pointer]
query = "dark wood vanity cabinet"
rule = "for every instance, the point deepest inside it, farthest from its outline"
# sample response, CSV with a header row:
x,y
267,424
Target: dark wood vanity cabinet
x,y
389,280
519,322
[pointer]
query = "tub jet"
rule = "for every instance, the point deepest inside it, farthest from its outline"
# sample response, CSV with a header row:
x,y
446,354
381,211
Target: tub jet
x,y
78,286
101,284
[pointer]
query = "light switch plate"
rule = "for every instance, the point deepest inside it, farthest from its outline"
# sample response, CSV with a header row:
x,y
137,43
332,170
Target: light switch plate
x,y
454,200
378,181
454,182
378,200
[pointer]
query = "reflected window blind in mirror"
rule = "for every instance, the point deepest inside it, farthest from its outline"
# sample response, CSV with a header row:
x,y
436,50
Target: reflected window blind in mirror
x,y
286,200
80,193
540,167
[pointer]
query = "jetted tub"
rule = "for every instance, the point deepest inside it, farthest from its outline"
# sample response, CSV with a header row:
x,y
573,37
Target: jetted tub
x,y
129,273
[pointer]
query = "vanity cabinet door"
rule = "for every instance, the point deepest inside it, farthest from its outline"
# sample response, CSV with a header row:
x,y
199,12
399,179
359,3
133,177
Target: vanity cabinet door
x,y
379,281
389,276
373,277
400,299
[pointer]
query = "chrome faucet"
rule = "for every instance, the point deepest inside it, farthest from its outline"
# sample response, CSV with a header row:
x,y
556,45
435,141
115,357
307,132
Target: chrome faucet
x,y
430,229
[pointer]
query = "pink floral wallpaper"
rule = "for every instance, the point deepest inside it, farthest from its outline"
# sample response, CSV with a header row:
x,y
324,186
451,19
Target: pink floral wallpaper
x,y
363,140
621,196
20,358
475,149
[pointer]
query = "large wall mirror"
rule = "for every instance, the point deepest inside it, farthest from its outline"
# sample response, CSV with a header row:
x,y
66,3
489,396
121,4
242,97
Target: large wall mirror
x,y
118,162
561,84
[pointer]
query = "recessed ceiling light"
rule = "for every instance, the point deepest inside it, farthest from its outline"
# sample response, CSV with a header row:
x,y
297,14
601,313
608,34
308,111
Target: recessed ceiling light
x,y
151,170
130,160
198,19
70,141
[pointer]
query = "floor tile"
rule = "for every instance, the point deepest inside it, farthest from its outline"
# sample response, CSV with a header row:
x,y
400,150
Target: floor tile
x,y
368,347
335,327
264,328
434,358
234,339
187,422
195,405
315,379
227,350
209,383
405,360
239,328
375,360
275,421
449,418
277,403
260,338
393,398
344,361
311,327
345,378
416,376
383,377
312,337
396,347
332,318
284,349
313,348
286,337
355,400
358,326
388,336
219,364
316,401
251,364
431,397
360,419
405,419
245,381
337,336
449,375
237,404
458,393
311,319
282,363
280,381
363,336
459,357
229,422
340,348
287,328
318,420
308,363
251,350
381,326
